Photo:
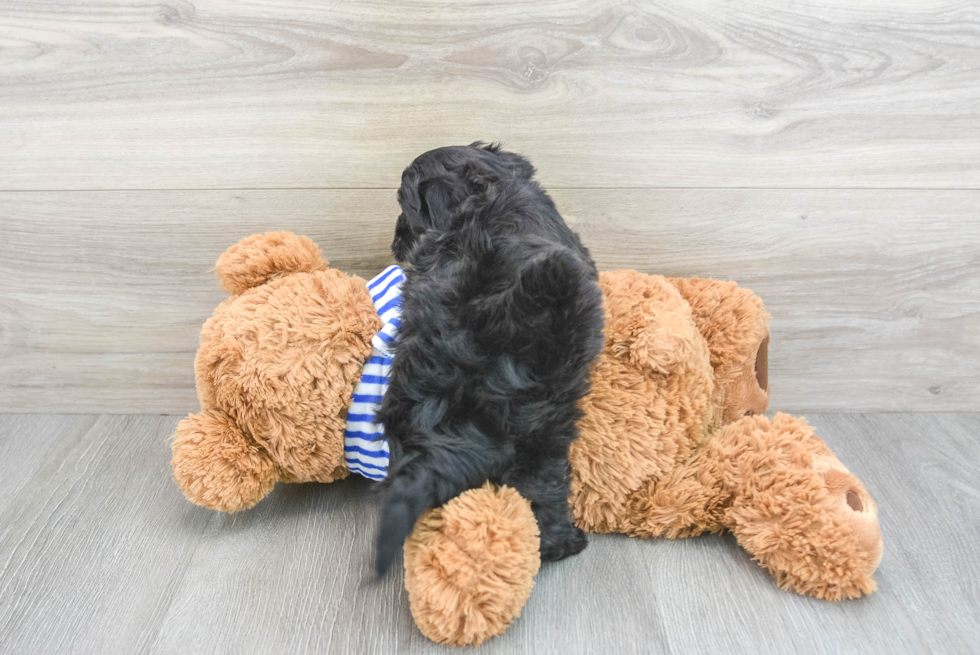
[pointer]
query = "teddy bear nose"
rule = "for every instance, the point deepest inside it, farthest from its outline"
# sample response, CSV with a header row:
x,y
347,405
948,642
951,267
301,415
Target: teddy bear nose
x,y
750,413
854,501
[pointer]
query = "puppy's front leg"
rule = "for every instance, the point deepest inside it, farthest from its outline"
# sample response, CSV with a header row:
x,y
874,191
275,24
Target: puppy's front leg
x,y
545,482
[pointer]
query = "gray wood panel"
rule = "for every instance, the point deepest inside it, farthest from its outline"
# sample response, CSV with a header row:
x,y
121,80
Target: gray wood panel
x,y
96,540
108,290
222,94
101,554
25,441
875,294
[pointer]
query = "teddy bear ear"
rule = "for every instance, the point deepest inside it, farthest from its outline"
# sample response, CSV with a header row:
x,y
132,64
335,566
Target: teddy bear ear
x,y
260,258
736,327
648,322
660,340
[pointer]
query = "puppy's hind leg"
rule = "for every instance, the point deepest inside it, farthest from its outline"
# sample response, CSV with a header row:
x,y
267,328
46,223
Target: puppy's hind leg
x,y
545,482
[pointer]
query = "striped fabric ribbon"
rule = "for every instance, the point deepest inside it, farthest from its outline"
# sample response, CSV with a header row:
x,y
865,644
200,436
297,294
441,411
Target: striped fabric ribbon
x,y
365,447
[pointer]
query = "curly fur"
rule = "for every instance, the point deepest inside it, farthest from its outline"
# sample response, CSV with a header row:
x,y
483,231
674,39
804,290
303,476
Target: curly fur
x,y
501,319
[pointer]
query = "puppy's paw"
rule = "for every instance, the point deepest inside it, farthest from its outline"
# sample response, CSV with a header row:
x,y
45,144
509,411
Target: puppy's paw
x,y
573,542
577,542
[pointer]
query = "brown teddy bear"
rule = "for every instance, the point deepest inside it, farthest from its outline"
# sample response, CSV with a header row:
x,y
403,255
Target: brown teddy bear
x,y
673,442
275,373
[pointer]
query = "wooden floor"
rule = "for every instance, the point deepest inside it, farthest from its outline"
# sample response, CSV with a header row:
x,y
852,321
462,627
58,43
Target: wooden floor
x,y
100,553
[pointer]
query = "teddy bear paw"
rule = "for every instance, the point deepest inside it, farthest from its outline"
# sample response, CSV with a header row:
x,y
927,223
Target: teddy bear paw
x,y
470,565
855,507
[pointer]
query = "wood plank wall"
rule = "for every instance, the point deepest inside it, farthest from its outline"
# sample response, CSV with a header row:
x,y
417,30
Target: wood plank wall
x,y
825,154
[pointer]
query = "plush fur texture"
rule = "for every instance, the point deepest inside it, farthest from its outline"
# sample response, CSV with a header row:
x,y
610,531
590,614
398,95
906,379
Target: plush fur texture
x,y
471,564
501,318
275,370
673,445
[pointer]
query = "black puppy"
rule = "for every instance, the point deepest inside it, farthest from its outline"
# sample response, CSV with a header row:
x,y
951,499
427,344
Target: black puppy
x,y
501,318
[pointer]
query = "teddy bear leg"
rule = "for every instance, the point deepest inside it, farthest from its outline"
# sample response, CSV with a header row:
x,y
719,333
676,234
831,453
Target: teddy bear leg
x,y
217,466
797,509
470,565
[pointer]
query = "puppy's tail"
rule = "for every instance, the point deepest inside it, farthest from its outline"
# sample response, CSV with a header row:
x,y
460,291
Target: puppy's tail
x,y
414,486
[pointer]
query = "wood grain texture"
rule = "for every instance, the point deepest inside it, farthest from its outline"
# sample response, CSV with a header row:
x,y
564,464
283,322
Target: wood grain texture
x,y
94,542
25,442
875,295
100,553
300,94
109,290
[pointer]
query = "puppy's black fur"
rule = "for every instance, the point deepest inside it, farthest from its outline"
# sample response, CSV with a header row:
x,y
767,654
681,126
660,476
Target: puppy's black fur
x,y
501,318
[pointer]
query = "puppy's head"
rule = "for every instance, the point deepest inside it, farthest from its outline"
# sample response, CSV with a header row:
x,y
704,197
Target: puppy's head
x,y
439,181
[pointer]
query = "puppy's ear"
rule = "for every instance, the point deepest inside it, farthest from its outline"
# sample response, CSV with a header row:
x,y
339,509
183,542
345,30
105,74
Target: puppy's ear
x,y
405,239
436,202
425,206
